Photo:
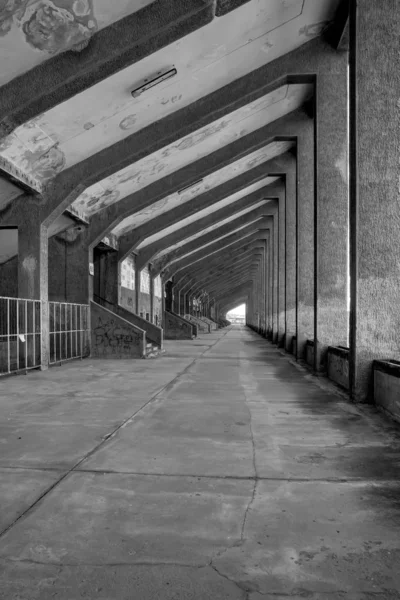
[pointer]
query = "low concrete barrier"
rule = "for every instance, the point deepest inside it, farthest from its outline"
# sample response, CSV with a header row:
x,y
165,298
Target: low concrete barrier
x,y
338,365
114,337
386,375
178,328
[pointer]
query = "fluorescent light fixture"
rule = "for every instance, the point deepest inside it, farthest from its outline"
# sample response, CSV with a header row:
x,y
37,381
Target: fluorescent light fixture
x,y
153,80
190,186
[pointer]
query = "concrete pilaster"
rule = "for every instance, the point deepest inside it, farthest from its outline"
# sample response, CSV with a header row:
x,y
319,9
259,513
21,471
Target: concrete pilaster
x,y
375,241
331,210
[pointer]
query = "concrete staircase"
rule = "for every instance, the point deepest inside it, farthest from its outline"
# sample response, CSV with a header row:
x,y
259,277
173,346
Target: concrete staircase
x,y
153,351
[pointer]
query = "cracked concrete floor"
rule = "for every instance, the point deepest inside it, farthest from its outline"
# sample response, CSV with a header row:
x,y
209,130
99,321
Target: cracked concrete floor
x,y
218,471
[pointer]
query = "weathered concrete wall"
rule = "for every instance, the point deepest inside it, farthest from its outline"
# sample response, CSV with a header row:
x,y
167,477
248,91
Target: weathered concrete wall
x,y
157,310
113,337
177,328
144,305
387,387
338,366
127,298
57,270
9,278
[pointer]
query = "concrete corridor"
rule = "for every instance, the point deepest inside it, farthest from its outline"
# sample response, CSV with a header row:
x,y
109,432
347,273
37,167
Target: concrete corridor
x,y
219,471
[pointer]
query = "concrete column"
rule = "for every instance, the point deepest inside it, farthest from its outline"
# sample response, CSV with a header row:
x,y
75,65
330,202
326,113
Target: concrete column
x,y
137,290
375,193
305,235
151,298
32,262
290,252
331,210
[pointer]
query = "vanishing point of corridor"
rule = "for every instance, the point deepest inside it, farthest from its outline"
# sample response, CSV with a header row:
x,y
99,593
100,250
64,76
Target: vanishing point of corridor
x,y
221,471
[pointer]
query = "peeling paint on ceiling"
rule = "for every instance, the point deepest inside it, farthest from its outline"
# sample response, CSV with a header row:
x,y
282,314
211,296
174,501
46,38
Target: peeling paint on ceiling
x,y
32,31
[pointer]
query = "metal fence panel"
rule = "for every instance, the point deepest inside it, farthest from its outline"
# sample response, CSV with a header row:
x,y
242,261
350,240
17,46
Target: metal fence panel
x,y
20,335
69,331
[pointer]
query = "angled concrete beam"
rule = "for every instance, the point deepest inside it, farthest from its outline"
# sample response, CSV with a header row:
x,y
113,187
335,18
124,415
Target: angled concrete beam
x,y
249,276
222,265
307,60
110,50
129,241
186,281
163,261
206,280
185,261
150,251
240,247
280,130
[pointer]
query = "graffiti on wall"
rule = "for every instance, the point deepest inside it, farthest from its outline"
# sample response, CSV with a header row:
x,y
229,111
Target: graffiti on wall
x,y
110,338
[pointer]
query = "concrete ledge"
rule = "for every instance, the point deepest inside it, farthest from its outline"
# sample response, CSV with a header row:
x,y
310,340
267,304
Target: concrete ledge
x,y
386,375
338,365
178,328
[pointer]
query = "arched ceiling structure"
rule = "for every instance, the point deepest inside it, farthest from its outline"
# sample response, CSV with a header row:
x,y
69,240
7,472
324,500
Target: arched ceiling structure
x,y
157,123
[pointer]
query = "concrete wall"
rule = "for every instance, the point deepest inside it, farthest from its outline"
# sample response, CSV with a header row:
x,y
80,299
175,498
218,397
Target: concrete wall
x,y
338,366
113,337
9,278
157,310
387,386
144,304
127,298
177,328
57,270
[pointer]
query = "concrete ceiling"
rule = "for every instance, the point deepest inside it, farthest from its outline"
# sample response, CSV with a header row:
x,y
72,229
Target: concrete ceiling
x,y
240,37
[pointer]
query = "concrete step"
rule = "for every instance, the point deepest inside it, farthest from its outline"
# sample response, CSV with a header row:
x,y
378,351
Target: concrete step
x,y
152,351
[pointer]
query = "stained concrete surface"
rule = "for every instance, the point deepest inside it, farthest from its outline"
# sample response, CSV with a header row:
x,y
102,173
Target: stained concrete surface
x,y
218,471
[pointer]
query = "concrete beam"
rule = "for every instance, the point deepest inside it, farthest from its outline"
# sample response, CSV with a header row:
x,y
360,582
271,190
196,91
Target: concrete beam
x,y
163,261
68,185
205,280
148,252
130,241
110,50
105,220
243,234
232,244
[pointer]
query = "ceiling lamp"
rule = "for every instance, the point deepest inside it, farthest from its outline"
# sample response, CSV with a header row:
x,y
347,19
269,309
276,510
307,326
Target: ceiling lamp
x,y
152,81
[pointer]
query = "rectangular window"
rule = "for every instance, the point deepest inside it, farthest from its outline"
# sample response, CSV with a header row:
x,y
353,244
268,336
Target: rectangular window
x,y
128,273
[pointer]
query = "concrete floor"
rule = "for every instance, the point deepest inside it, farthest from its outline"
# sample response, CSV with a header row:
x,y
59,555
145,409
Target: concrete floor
x,y
218,471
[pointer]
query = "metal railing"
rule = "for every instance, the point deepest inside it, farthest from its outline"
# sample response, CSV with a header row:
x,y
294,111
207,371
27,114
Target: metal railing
x,y
20,335
69,331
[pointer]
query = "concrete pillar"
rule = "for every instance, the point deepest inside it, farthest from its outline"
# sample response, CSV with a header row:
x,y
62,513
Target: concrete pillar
x,y
305,235
137,290
290,251
331,210
32,261
151,298
375,192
